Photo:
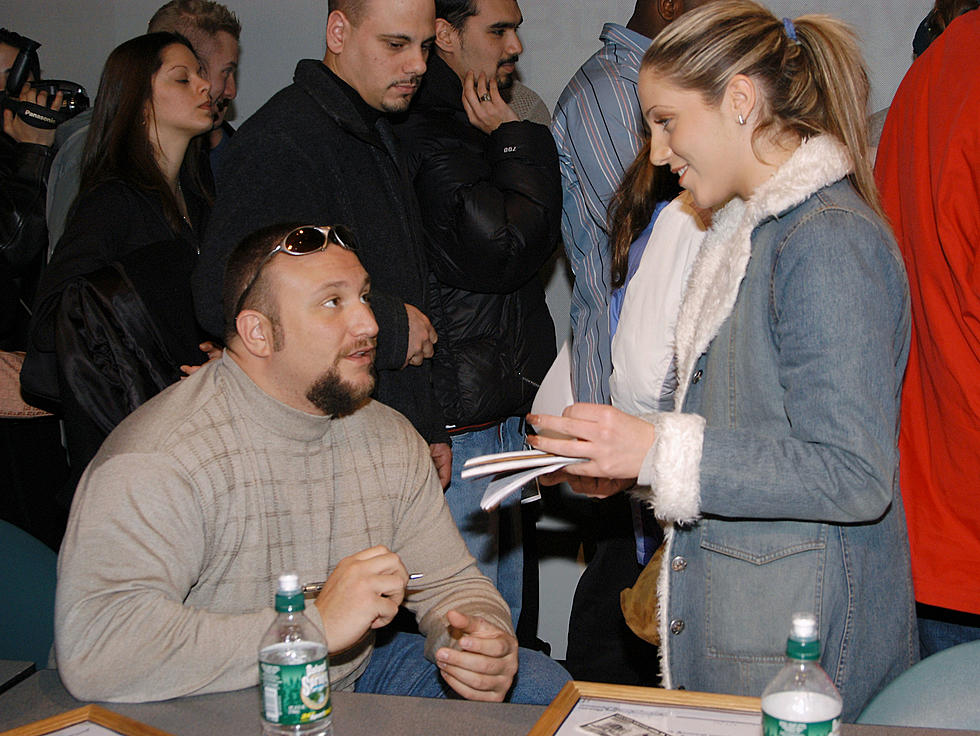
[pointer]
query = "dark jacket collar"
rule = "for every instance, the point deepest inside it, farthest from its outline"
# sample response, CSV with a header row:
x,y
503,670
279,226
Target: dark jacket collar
x,y
367,113
324,87
441,87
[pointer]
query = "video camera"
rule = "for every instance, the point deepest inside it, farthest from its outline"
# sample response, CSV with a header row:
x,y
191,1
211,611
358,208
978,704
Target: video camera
x,y
74,98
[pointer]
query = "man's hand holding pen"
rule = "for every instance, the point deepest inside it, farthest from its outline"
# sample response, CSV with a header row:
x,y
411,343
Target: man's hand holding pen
x,y
362,593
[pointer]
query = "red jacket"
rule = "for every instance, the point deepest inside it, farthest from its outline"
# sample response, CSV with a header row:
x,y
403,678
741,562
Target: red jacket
x,y
928,170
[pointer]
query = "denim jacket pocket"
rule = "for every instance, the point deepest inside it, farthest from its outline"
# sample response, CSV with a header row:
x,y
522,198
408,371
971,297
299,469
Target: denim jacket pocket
x,y
757,573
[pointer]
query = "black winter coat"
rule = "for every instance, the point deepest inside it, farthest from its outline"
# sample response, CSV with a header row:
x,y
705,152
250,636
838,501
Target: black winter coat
x,y
308,156
491,208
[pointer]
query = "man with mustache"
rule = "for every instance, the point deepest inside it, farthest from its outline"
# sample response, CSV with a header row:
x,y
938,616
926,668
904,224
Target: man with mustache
x,y
490,194
273,458
322,150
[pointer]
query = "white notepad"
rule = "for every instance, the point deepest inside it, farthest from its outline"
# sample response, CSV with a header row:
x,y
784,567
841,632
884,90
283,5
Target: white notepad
x,y
516,470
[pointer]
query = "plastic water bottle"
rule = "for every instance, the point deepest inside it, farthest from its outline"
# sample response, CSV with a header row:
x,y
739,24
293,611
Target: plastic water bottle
x,y
801,700
294,672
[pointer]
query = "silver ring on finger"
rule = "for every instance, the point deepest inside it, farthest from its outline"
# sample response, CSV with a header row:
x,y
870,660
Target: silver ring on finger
x,y
485,97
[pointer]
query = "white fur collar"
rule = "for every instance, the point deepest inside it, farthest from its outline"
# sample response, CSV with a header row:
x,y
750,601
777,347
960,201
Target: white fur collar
x,y
720,266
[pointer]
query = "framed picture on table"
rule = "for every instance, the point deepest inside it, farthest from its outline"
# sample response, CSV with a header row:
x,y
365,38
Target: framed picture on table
x,y
597,709
89,720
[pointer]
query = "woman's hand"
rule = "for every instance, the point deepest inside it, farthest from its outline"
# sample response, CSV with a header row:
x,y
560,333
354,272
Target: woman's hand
x,y
614,442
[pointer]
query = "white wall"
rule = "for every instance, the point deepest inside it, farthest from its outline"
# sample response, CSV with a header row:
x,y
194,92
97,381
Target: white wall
x,y
558,35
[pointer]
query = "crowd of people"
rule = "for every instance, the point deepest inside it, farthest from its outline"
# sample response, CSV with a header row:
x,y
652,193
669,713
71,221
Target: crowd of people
x,y
274,348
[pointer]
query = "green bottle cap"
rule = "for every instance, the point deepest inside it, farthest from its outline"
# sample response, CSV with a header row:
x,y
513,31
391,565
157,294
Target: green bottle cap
x,y
805,650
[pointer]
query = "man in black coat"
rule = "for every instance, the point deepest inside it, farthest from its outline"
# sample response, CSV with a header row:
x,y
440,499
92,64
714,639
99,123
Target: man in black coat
x,y
322,151
490,195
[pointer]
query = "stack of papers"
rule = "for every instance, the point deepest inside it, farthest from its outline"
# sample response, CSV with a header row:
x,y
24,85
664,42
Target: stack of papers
x,y
514,471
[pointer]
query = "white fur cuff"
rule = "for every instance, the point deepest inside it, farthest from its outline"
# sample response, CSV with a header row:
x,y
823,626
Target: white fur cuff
x,y
672,467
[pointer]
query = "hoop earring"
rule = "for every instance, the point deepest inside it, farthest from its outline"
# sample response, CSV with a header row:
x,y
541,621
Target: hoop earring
x,y
741,120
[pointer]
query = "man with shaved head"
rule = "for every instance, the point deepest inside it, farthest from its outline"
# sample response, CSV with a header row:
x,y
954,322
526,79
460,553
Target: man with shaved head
x,y
322,150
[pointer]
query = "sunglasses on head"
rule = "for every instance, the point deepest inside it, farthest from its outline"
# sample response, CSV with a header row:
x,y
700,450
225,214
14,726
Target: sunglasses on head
x,y
300,242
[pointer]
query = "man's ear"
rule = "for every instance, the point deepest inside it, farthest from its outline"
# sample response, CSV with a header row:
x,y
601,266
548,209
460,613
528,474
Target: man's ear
x,y
670,9
338,29
447,38
255,331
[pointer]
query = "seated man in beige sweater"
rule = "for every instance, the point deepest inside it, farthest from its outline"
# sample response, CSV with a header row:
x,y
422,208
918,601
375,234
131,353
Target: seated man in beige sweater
x,y
274,458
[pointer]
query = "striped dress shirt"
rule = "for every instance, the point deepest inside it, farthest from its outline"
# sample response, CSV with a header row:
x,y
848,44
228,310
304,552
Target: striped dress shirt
x,y
597,128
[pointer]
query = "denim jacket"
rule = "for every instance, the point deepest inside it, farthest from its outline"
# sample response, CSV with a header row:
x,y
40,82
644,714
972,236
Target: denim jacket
x,y
778,468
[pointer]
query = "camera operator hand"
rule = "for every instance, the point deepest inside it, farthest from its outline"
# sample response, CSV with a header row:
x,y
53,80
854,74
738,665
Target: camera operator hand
x,y
23,132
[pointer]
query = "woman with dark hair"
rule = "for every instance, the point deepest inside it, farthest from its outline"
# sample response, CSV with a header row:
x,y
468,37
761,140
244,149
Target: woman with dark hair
x,y
775,469
113,320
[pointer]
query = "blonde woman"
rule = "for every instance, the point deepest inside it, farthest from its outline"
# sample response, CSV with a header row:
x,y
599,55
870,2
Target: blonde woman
x,y
776,470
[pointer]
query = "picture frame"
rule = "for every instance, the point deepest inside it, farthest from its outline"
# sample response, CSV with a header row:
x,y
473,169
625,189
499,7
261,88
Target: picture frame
x,y
100,721
646,706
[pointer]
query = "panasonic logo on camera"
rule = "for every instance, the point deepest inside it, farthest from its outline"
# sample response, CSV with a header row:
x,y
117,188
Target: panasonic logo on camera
x,y
42,118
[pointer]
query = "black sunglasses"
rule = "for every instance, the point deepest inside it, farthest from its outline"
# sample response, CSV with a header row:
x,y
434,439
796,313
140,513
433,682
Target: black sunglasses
x,y
300,242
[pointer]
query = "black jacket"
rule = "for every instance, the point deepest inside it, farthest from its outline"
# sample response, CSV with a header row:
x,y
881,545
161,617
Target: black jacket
x,y
491,208
23,235
308,156
81,360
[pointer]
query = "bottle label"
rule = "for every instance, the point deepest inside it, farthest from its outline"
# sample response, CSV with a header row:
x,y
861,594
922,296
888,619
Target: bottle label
x,y
295,693
777,727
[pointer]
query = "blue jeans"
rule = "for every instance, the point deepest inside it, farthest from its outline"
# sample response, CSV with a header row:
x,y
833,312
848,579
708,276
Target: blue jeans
x,y
492,537
942,628
398,667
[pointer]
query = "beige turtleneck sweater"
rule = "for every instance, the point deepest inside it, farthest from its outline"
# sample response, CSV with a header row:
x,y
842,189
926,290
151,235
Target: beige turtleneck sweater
x,y
202,497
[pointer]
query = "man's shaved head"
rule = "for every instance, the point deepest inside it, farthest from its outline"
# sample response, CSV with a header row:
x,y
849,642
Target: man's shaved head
x,y
353,9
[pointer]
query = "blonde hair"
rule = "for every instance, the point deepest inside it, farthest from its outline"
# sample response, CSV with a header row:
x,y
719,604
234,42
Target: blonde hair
x,y
815,84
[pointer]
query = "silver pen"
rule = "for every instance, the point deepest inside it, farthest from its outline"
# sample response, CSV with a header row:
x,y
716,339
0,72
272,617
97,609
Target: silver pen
x,y
311,590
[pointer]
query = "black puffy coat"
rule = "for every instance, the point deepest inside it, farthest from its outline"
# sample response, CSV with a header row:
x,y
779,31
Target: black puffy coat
x,y
491,209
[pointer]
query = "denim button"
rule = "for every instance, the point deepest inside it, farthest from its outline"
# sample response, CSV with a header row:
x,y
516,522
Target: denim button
x,y
678,563
676,626
697,375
